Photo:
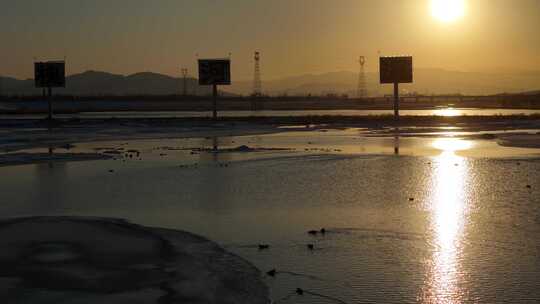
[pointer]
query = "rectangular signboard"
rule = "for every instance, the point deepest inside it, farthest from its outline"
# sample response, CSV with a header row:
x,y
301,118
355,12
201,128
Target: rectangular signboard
x,y
396,69
51,74
214,71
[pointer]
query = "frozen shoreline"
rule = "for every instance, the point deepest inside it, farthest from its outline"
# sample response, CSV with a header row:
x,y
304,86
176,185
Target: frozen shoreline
x,y
11,159
20,140
520,140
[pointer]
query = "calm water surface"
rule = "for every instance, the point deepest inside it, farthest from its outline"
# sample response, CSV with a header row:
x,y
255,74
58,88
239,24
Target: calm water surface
x,y
172,114
437,223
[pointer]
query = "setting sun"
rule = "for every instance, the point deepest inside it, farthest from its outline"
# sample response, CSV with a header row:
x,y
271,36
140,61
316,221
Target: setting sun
x,y
447,10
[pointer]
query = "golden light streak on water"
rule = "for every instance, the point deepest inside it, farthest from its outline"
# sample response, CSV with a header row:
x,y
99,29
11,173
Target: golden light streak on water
x,y
450,145
448,222
448,112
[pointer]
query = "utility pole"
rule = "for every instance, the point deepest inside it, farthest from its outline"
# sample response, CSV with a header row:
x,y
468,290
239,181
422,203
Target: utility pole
x,y
361,90
184,76
257,84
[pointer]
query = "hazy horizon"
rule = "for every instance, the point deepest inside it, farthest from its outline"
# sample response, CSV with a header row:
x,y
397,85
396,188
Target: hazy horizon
x,y
249,78
427,81
295,38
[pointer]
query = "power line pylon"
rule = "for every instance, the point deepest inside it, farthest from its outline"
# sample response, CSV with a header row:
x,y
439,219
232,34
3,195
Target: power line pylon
x,y
257,85
361,90
184,76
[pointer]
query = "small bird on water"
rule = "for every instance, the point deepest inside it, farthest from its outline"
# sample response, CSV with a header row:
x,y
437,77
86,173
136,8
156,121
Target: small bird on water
x,y
315,232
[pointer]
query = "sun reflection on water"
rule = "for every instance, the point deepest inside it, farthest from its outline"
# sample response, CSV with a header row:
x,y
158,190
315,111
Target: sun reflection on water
x,y
450,145
449,112
448,208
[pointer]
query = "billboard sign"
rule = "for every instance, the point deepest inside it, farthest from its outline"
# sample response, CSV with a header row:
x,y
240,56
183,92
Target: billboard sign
x,y
396,69
51,74
214,71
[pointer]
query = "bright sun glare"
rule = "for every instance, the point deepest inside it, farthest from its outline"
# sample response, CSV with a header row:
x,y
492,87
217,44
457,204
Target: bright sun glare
x,y
451,144
448,10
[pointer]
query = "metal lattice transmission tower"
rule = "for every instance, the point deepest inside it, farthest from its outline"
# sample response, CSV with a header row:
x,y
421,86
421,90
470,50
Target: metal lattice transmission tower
x,y
361,90
184,76
257,84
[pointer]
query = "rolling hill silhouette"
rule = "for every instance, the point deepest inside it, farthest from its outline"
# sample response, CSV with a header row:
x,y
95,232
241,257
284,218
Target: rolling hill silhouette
x,y
94,83
427,81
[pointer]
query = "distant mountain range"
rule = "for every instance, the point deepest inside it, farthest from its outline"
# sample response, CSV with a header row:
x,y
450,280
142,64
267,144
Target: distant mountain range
x,y
92,83
427,81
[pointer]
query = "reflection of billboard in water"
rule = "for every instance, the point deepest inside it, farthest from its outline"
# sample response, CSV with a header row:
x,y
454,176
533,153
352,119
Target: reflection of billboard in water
x,y
396,69
50,74
214,71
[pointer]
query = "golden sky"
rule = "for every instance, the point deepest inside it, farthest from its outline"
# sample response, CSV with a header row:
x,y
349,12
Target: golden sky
x,y
293,36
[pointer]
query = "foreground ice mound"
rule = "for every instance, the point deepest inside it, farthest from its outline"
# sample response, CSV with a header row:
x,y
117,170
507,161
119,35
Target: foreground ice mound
x,y
96,260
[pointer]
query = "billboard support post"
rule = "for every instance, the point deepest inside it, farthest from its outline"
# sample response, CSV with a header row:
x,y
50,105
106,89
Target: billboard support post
x,y
396,70
214,100
396,101
48,75
214,72
49,98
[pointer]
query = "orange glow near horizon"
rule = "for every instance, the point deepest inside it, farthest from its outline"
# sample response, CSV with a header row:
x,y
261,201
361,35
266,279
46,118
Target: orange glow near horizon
x,y
295,38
